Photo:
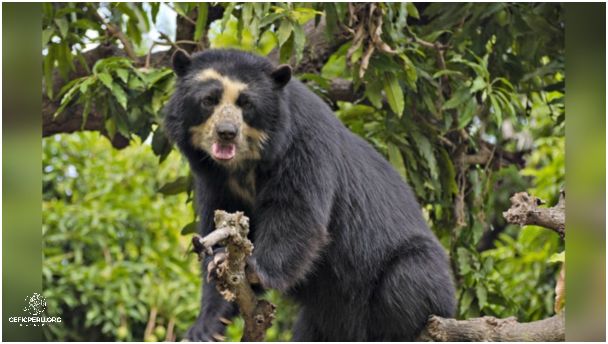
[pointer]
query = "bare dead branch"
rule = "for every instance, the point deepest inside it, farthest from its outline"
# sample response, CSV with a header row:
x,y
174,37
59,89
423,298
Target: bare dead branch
x,y
525,211
233,278
491,329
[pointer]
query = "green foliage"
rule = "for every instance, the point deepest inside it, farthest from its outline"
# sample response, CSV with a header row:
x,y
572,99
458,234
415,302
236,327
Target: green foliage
x,y
112,249
433,83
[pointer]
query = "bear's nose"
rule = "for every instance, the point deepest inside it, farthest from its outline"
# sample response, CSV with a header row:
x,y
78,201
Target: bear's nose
x,y
226,131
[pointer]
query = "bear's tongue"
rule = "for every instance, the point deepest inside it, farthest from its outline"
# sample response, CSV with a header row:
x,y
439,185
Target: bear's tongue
x,y
223,151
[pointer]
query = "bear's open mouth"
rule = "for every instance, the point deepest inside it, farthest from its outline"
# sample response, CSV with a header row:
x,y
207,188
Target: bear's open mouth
x,y
223,151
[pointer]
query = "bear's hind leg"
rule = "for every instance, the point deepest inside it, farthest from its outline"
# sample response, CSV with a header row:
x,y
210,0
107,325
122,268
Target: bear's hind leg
x,y
304,329
416,284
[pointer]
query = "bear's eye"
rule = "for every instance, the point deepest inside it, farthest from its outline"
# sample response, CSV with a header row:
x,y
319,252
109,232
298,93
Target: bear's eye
x,y
210,101
243,102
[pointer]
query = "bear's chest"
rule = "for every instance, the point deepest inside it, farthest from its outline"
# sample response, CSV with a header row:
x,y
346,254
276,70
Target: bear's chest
x,y
242,187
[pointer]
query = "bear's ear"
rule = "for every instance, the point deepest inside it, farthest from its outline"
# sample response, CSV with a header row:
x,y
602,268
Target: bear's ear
x,y
181,62
281,75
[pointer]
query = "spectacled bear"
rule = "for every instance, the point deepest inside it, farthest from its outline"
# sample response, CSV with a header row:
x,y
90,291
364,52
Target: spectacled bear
x,y
334,226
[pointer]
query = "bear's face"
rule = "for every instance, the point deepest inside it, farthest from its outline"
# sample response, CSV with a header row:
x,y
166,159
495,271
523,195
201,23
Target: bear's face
x,y
228,109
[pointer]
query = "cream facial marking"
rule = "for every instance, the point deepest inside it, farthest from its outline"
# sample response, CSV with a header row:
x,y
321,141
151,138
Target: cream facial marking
x,y
248,143
231,87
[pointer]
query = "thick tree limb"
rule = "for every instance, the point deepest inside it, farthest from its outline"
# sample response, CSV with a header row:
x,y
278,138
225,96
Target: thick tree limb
x,y
525,211
490,329
232,277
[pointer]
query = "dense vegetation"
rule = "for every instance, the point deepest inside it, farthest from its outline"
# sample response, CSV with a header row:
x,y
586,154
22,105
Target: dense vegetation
x,y
465,100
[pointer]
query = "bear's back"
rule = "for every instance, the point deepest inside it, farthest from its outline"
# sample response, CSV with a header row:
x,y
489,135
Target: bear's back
x,y
369,190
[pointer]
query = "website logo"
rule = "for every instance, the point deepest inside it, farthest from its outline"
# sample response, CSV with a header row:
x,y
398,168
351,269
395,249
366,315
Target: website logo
x,y
35,306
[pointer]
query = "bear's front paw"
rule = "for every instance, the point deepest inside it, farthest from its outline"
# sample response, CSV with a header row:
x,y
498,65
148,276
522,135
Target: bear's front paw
x,y
199,332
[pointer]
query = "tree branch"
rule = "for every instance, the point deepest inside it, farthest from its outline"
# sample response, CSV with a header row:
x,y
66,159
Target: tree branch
x,y
491,329
233,278
116,32
525,211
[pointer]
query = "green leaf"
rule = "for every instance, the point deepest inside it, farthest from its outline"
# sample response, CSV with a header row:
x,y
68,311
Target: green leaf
x,y
464,260
269,19
284,31
156,75
201,21
396,159
63,26
331,19
558,257
123,74
478,84
299,41
341,9
488,265
448,172
304,14
468,112
477,232
267,42
84,86
116,90
286,50
111,127
175,187
497,110
446,72
133,31
373,92
120,95
190,228
410,71
466,300
458,98
106,79
426,150
64,103
412,11
394,94
181,8
227,14
482,295
85,112
48,73
160,144
122,123
46,35
154,8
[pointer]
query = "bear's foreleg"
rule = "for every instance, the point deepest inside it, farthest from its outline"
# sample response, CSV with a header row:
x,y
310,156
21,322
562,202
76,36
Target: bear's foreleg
x,y
215,311
291,231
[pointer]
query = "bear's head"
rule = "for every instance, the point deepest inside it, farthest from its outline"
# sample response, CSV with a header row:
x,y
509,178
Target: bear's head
x,y
227,107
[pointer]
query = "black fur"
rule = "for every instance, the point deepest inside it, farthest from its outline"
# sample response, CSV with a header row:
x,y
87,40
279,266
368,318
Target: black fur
x,y
333,224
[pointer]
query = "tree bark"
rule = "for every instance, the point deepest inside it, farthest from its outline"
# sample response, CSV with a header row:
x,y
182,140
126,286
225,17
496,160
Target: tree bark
x,y
525,211
490,329
232,278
